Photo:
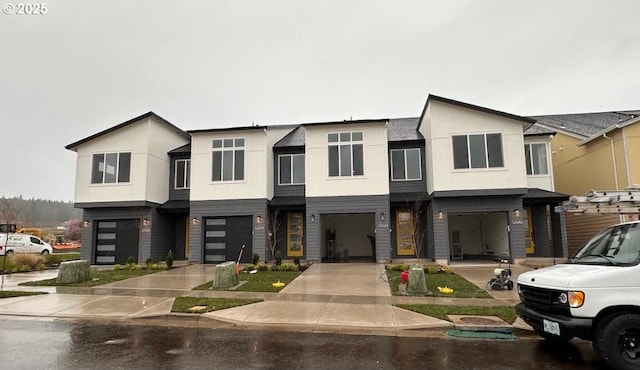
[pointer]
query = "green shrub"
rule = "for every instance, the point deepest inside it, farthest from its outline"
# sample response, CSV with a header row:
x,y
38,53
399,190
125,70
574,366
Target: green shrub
x,y
41,267
24,268
255,258
397,267
169,259
288,267
131,260
296,261
149,261
278,258
116,267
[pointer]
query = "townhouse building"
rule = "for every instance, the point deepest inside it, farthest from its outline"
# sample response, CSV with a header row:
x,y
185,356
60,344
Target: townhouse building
x,y
593,151
459,182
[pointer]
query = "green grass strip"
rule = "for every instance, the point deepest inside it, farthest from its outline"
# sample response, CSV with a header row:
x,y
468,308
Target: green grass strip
x,y
506,313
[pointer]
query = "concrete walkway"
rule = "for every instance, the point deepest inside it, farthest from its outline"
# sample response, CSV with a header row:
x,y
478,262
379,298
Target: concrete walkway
x,y
325,298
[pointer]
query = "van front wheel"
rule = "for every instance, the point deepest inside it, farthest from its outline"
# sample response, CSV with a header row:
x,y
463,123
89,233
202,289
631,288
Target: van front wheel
x,y
44,252
9,253
618,342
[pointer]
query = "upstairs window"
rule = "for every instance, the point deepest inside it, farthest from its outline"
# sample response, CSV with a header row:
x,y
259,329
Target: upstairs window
x,y
291,169
110,168
477,151
536,159
406,164
346,157
227,160
182,174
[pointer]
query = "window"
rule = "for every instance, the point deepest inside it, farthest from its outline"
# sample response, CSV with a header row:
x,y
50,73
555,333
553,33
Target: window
x,y
182,173
405,164
477,151
536,159
227,160
346,157
110,168
291,169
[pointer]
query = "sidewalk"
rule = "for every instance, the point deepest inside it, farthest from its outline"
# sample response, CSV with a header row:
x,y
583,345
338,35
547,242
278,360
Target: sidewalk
x,y
346,298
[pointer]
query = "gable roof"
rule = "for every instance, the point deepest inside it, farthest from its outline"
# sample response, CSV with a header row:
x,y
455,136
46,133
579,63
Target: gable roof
x,y
294,138
526,120
538,130
184,149
74,145
404,129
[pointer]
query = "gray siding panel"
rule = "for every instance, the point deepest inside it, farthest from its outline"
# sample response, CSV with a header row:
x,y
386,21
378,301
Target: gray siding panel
x,y
286,190
176,194
224,208
317,206
408,186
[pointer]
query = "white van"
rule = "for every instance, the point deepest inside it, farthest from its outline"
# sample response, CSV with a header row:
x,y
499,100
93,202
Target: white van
x,y
23,243
594,296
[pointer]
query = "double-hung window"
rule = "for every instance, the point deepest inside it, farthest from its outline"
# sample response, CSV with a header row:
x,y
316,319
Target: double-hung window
x,y
110,168
405,164
182,173
227,160
477,151
536,159
346,157
291,169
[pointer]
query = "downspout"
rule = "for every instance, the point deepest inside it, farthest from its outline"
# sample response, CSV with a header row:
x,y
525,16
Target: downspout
x,y
613,157
615,168
626,158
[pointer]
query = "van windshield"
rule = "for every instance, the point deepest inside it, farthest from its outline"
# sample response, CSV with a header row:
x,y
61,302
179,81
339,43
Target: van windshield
x,y
617,245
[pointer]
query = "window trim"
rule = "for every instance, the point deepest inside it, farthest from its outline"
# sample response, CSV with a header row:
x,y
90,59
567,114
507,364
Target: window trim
x,y
529,166
291,155
486,152
187,174
233,149
117,170
404,150
339,143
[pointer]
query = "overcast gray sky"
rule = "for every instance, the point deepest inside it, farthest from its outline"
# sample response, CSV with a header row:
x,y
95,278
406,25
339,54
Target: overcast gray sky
x,y
85,66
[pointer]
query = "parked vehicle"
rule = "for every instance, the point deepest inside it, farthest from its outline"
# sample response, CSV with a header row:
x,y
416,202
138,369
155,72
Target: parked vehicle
x,y
594,296
23,243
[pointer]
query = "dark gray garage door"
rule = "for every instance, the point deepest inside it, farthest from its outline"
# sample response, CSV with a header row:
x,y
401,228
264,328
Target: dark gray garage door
x,y
224,238
116,240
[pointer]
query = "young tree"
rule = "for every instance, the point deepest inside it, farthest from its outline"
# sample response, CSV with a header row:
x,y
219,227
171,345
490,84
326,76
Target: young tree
x,y
73,229
271,228
419,211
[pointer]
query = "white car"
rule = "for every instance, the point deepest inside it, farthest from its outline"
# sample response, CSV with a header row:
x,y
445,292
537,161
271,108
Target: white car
x,y
23,243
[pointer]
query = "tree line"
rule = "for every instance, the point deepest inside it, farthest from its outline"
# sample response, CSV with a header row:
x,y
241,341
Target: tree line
x,y
37,212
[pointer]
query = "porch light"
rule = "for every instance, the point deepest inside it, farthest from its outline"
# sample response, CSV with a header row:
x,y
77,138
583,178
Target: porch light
x,y
146,222
381,216
313,218
195,221
440,215
516,213
86,223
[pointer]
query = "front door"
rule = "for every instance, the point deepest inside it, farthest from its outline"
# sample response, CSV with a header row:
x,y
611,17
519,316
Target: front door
x,y
529,241
295,235
405,244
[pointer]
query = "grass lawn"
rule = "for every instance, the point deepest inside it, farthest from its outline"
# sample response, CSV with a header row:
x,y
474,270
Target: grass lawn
x,y
183,304
260,281
506,313
12,293
462,288
98,278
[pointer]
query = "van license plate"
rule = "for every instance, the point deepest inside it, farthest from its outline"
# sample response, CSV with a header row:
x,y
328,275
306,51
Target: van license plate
x,y
551,327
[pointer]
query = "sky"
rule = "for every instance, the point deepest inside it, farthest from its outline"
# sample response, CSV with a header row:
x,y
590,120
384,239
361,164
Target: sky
x,y
85,66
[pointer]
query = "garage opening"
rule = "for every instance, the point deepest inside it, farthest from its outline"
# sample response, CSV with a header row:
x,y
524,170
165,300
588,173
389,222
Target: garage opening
x,y
479,236
224,238
348,237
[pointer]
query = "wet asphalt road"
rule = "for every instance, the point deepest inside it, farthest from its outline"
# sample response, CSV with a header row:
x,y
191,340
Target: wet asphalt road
x,y
33,344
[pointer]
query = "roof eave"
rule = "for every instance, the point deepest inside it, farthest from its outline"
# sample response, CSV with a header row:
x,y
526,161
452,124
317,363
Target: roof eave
x,y
603,133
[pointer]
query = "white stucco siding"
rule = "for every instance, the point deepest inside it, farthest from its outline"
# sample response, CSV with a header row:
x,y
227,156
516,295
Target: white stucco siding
x,y
375,180
448,120
133,139
253,186
425,130
541,181
162,139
